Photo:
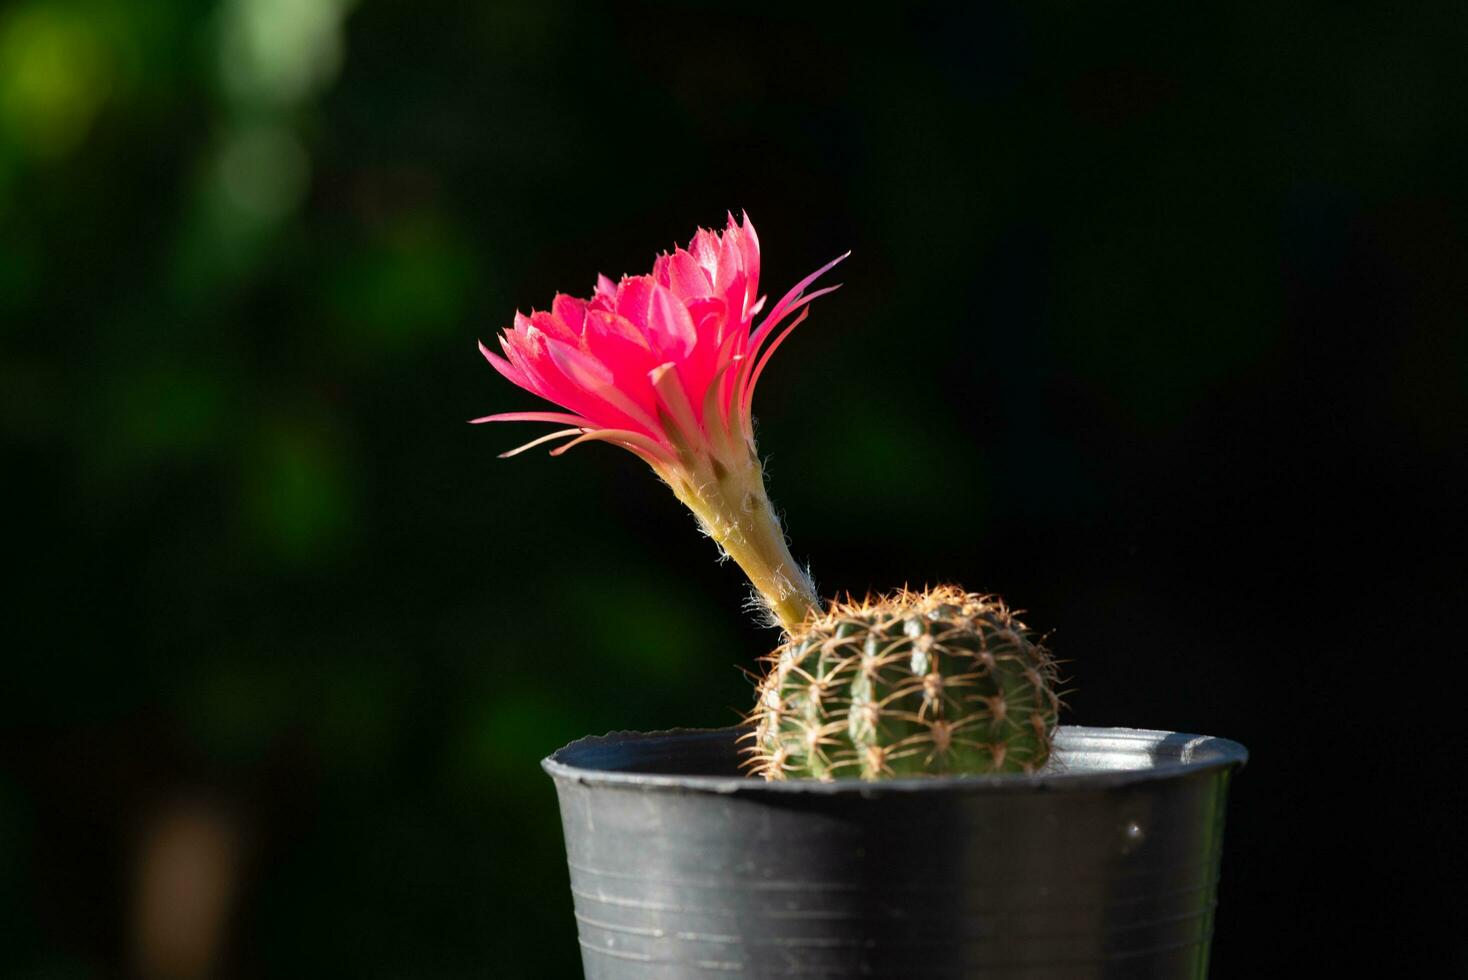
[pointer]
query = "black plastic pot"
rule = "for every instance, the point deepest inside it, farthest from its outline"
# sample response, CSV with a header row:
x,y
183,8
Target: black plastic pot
x,y
1104,865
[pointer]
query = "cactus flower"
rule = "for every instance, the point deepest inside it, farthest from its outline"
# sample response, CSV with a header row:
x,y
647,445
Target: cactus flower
x,y
665,365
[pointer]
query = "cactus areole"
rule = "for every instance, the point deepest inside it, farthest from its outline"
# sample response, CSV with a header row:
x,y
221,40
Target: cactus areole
x,y
665,365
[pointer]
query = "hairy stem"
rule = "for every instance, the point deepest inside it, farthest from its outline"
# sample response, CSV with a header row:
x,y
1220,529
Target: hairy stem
x,y
735,511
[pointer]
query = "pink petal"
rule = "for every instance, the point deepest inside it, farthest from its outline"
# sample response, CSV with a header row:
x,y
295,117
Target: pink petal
x,y
674,398
787,302
669,329
730,266
634,295
765,359
583,370
736,294
702,363
523,360
708,319
713,415
749,246
570,311
655,453
560,417
534,353
553,326
705,251
526,351
593,379
616,343
604,323
686,278
504,367
541,440
728,381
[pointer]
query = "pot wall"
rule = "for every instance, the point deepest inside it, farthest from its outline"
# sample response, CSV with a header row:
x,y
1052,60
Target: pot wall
x,y
1106,865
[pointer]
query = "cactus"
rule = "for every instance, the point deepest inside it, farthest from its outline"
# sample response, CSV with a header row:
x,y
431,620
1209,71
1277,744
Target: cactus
x,y
941,681
665,366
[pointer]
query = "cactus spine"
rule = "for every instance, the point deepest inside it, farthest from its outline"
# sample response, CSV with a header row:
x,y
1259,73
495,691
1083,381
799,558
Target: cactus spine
x,y
933,682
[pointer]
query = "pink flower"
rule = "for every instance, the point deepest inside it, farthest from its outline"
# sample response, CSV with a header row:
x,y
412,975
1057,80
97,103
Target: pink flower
x,y
664,365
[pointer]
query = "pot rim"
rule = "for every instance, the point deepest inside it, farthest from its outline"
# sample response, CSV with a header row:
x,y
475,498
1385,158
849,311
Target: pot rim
x,y
1162,755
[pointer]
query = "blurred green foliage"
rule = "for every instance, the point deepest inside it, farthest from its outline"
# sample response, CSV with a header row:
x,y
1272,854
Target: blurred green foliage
x,y
1125,285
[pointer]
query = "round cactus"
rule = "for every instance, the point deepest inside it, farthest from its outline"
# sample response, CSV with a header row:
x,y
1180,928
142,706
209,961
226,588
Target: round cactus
x,y
941,681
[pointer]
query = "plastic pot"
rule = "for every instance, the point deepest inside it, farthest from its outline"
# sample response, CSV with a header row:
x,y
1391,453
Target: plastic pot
x,y
1103,865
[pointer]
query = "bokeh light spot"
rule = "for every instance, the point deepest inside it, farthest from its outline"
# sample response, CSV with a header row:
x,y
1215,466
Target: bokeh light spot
x,y
54,77
280,51
263,171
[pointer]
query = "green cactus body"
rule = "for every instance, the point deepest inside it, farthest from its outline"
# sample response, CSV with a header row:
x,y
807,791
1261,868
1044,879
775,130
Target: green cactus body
x,y
934,682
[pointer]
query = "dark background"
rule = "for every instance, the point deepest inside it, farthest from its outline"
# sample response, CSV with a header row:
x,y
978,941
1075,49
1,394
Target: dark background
x,y
1154,324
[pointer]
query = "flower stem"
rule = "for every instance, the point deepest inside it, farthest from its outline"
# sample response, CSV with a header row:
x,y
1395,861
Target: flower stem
x,y
733,508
